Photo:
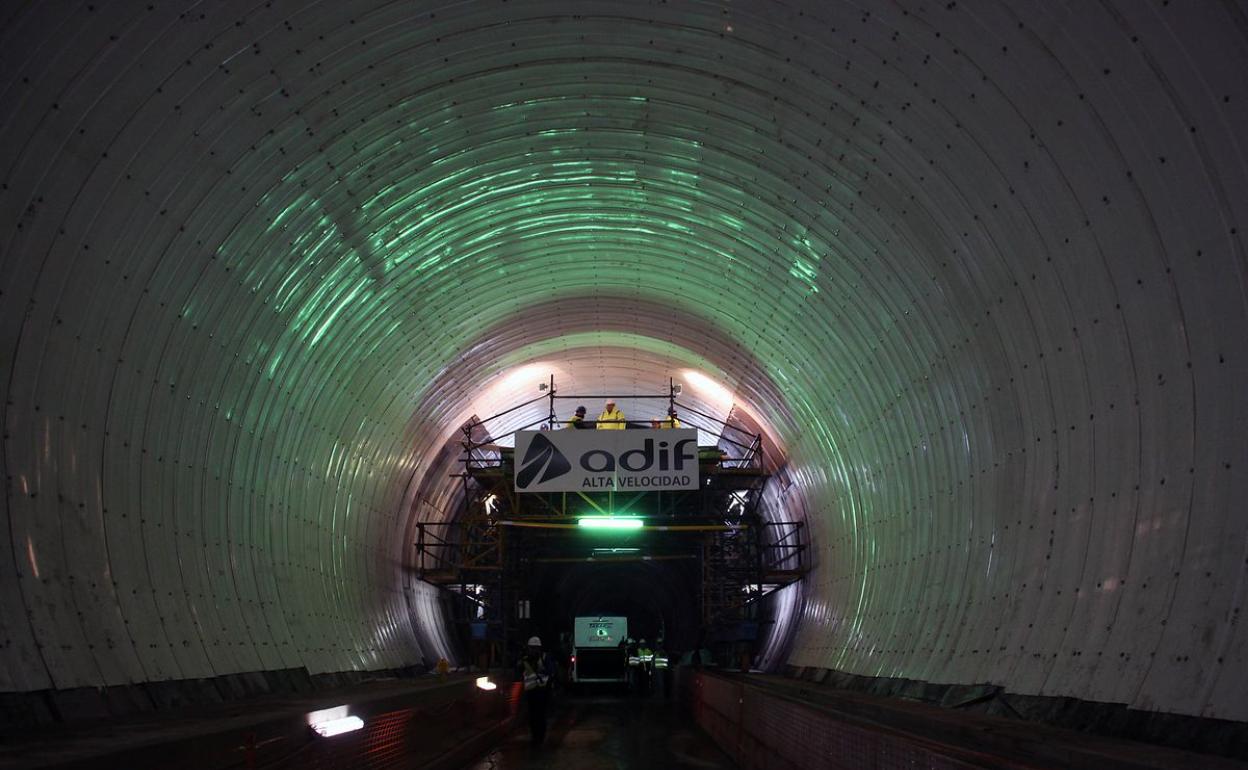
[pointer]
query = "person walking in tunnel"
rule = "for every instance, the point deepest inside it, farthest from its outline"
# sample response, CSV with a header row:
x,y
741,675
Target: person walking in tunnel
x,y
671,421
633,661
538,670
612,418
578,419
645,669
662,670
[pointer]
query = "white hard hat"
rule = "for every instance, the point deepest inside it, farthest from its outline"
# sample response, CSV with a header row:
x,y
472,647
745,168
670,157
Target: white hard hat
x,y
534,641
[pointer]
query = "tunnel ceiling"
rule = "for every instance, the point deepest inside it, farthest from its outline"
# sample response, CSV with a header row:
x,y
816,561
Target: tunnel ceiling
x,y
977,266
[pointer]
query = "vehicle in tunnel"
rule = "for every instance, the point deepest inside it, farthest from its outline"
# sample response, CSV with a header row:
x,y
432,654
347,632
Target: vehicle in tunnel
x,y
599,650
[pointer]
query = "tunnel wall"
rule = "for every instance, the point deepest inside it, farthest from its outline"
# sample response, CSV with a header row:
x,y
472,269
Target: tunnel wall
x,y
978,266
1072,437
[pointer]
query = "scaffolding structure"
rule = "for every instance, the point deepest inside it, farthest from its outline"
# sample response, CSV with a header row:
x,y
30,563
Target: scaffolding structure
x,y
476,558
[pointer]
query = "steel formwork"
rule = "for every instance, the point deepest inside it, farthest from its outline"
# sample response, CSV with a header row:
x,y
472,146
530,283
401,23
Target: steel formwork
x,y
742,556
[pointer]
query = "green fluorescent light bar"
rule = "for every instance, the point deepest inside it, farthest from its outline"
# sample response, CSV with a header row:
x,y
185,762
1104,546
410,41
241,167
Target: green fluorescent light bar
x,y
616,550
609,522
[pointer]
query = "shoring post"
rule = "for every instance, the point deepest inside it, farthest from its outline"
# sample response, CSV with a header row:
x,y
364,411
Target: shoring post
x,y
759,567
420,548
552,401
500,594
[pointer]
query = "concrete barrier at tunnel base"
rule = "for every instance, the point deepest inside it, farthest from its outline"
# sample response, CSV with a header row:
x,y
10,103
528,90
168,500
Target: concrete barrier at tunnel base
x,y
760,730
428,723
770,723
1220,737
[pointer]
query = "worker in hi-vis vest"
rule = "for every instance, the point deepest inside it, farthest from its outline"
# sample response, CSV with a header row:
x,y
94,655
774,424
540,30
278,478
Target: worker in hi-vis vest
x,y
634,664
537,670
646,669
662,671
611,418
578,420
671,421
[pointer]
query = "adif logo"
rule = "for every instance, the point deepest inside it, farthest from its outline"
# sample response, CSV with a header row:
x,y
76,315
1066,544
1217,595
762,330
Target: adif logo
x,y
575,461
541,454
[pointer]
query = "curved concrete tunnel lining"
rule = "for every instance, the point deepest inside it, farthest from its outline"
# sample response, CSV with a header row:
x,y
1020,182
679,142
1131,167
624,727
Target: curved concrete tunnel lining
x,y
952,297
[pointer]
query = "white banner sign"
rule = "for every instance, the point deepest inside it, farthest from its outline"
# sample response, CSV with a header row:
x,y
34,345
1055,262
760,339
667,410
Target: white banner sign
x,y
599,632
606,460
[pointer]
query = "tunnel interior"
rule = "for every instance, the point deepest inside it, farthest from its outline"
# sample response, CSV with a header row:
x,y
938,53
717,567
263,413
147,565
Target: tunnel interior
x,y
976,269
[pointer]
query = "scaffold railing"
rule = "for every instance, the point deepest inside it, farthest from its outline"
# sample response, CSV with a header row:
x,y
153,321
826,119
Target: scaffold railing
x,y
740,449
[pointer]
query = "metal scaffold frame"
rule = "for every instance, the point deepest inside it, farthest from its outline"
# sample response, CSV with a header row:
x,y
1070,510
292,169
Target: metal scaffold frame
x,y
474,555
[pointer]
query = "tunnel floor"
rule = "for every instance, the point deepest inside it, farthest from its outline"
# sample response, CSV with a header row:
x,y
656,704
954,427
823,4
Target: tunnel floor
x,y
609,732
